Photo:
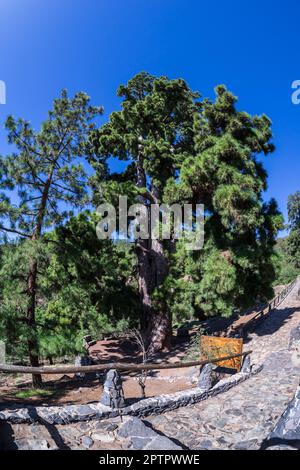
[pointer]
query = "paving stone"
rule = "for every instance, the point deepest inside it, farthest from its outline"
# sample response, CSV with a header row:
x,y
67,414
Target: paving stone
x,y
161,443
87,442
139,443
246,445
234,411
205,444
84,426
102,437
135,427
106,425
32,444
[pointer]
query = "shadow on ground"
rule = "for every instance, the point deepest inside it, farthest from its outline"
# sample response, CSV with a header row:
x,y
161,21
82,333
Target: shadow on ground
x,y
7,441
272,323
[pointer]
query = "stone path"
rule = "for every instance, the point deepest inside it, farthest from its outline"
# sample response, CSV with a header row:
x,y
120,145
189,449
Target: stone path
x,y
92,435
243,417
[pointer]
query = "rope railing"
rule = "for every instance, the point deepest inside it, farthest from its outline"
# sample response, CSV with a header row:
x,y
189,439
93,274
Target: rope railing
x,y
113,365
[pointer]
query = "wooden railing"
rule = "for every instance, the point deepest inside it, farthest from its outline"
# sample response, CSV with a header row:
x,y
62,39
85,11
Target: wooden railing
x,y
6,368
277,299
243,327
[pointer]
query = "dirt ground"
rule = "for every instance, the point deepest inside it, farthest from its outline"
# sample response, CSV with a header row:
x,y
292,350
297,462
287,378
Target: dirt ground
x,y
68,389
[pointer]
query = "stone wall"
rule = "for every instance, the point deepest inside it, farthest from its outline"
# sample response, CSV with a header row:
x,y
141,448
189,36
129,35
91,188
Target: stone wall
x,y
142,408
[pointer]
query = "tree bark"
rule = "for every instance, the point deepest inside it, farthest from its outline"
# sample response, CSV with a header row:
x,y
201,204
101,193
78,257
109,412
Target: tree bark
x,y
159,322
156,321
33,347
33,342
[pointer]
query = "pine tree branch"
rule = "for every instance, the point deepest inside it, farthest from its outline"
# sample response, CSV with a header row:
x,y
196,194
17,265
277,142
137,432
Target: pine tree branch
x,y
25,144
17,232
64,188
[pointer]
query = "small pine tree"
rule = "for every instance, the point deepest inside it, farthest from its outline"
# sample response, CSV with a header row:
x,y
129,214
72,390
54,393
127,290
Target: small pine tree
x,y
49,180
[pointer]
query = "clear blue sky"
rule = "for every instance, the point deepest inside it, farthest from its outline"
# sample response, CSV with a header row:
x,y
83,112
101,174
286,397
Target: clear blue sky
x,y
94,45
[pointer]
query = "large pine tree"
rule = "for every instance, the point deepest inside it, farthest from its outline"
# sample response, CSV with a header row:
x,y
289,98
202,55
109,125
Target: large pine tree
x,y
154,133
183,151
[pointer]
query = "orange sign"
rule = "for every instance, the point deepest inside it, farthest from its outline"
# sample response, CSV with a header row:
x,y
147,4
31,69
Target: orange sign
x,y
212,347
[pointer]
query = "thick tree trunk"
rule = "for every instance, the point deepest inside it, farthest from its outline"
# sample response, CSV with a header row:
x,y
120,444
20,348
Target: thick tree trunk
x,y
156,320
145,281
160,321
159,331
153,268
